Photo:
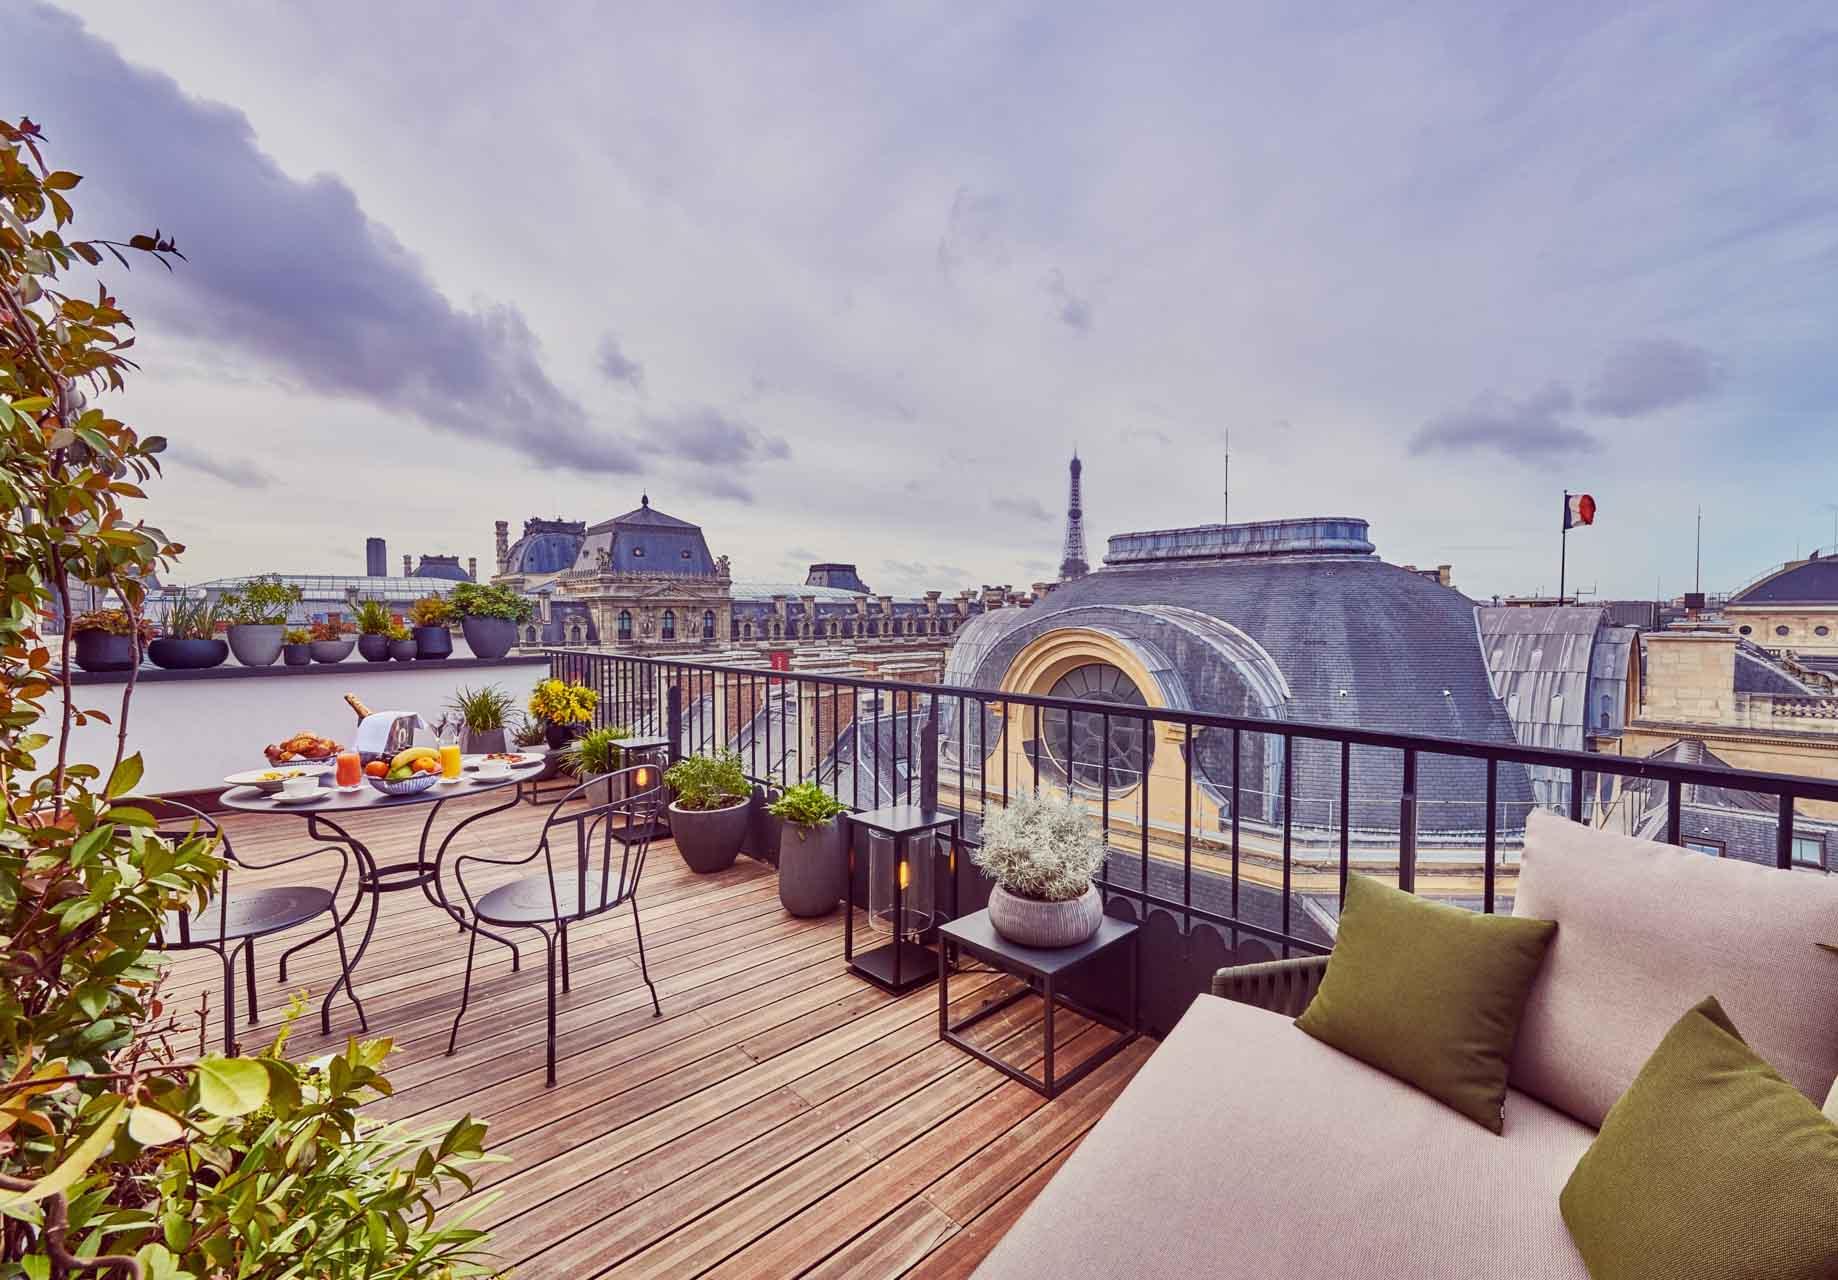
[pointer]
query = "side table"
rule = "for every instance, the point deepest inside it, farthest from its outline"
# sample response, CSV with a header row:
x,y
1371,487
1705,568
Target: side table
x,y
1042,970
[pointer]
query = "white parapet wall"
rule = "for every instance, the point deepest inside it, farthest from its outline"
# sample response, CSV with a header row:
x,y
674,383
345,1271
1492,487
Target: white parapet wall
x,y
194,728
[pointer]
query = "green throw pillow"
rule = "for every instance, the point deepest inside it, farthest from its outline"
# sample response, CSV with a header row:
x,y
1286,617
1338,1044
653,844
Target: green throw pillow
x,y
1710,1166
1429,993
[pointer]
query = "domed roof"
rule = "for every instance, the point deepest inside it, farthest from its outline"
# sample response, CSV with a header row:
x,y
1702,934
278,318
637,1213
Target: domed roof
x,y
547,546
446,567
645,540
1813,581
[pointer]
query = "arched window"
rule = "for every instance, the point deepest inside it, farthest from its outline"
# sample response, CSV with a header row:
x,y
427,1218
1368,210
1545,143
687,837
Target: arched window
x,y
708,624
574,632
746,630
1075,740
669,628
778,629
529,635
625,625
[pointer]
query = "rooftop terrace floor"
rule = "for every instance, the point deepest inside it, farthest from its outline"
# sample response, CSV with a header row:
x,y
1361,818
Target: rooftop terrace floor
x,y
781,1118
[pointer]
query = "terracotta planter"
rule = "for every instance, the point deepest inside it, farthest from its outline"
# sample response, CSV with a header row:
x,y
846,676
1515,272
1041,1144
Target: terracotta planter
x,y
332,650
433,642
813,867
402,650
489,638
175,654
1045,925
297,655
709,839
255,644
373,648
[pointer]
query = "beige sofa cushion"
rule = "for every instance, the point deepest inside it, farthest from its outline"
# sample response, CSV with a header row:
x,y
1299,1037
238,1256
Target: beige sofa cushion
x,y
1246,1148
1644,932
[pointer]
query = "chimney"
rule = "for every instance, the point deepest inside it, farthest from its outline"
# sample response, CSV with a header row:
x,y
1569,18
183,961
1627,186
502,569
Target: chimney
x,y
503,528
407,561
472,567
376,558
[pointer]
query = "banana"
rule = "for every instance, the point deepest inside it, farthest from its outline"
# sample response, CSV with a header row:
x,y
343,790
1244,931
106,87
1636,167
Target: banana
x,y
411,755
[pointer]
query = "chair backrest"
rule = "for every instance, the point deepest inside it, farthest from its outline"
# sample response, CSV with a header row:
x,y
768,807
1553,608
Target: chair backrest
x,y
583,826
181,821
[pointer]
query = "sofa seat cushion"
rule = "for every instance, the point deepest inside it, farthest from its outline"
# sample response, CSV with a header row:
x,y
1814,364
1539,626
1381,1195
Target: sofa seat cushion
x,y
1644,932
1244,1147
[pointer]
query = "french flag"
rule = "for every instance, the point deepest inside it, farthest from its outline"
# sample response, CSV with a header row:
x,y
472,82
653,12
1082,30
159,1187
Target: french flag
x,y
1579,508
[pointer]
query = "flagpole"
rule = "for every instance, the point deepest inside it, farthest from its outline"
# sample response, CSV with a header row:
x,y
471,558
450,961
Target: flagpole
x,y
1563,548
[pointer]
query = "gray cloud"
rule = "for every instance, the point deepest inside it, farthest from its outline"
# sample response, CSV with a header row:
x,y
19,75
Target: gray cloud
x,y
1650,375
912,576
705,435
973,232
1149,435
1530,428
617,366
1074,311
1026,508
291,272
232,471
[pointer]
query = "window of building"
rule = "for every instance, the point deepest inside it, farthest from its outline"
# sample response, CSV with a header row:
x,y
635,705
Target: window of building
x,y
684,553
1712,847
1745,631
1075,740
746,630
638,553
668,631
1780,630
1822,630
625,624
708,624
1809,851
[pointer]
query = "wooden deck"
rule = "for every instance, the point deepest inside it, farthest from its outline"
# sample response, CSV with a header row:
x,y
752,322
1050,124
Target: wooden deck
x,y
781,1118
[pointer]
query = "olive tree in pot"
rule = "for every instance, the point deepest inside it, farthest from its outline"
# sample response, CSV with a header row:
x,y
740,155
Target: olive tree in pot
x,y
813,850
1041,851
482,714
709,815
258,615
374,624
188,637
431,616
489,616
330,643
108,640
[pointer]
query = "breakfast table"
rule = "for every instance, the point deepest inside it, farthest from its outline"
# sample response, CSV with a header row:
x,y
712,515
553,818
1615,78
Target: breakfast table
x,y
329,807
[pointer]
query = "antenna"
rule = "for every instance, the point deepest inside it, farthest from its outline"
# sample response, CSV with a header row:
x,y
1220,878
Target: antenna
x,y
1697,577
1228,482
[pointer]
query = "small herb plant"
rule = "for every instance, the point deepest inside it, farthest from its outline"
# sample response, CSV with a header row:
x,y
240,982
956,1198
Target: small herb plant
x,y
708,782
559,702
330,629
1040,846
296,635
482,710
373,618
806,805
398,632
190,618
115,622
477,600
260,602
430,611
595,752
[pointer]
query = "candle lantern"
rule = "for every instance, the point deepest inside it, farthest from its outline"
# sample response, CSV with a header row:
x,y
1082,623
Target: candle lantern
x,y
908,850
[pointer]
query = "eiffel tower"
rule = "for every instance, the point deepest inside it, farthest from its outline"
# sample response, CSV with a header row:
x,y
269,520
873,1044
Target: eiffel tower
x,y
1072,562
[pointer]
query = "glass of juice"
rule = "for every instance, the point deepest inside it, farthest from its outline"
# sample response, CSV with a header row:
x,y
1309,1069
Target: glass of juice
x,y
449,761
350,770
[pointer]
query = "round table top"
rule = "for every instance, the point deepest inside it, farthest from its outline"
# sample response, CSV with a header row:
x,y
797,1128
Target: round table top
x,y
335,799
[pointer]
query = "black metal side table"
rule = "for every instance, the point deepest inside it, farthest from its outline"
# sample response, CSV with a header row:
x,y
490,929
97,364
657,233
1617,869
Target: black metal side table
x,y
901,964
1041,969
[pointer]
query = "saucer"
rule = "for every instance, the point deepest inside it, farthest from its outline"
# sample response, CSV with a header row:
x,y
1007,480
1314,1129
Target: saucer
x,y
318,793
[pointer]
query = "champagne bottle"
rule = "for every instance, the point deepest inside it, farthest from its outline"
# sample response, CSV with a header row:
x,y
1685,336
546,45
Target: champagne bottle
x,y
357,704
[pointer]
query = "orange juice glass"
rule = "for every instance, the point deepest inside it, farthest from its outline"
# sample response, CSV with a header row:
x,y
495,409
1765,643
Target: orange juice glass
x,y
350,769
449,760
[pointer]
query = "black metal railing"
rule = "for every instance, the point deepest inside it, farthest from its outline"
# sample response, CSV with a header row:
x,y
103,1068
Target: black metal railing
x,y
1233,836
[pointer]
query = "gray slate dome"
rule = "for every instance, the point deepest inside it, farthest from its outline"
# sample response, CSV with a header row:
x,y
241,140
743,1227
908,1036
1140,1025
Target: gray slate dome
x,y
547,546
645,540
1813,581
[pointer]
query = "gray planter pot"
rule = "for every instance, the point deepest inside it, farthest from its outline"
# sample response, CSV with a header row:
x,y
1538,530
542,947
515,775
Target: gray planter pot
x,y
402,650
709,839
255,644
297,655
489,638
332,650
813,867
433,642
373,648
103,651
483,742
176,654
1046,925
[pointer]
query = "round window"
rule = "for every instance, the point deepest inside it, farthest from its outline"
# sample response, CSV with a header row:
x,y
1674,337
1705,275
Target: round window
x,y
1077,742
1743,631
1780,631
1822,630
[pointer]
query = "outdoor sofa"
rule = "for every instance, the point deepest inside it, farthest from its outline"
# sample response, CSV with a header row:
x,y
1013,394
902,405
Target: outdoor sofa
x,y
1245,1147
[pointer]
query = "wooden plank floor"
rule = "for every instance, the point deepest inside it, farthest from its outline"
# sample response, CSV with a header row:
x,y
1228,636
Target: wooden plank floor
x,y
781,1118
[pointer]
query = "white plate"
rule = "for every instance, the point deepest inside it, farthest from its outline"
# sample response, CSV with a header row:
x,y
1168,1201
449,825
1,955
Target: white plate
x,y
318,793
523,761
256,778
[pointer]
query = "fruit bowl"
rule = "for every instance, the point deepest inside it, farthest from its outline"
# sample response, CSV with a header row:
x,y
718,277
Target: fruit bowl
x,y
407,787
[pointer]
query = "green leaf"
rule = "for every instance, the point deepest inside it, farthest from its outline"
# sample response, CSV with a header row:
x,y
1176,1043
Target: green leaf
x,y
75,1165
152,1127
231,1086
126,776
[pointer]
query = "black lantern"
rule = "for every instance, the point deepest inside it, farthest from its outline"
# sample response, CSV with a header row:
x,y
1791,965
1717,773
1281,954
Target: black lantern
x,y
908,850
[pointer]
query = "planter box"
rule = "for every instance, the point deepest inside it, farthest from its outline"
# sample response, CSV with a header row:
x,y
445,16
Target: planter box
x,y
483,742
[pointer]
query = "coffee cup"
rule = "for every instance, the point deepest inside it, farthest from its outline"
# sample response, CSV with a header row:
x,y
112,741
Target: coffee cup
x,y
299,786
494,769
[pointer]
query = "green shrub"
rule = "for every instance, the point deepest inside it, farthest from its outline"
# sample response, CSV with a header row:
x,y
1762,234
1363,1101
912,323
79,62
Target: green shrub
x,y
478,600
807,805
430,611
373,618
708,782
261,602
482,710
296,635
190,618
595,752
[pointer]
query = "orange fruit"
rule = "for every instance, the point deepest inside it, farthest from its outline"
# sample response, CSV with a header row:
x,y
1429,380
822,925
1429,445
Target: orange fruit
x,y
377,768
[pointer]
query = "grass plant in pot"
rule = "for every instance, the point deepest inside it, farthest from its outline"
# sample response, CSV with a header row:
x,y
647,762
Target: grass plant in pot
x,y
373,627
330,643
595,754
1041,851
188,637
430,617
401,643
297,647
483,715
564,708
489,616
708,817
257,613
813,850
108,640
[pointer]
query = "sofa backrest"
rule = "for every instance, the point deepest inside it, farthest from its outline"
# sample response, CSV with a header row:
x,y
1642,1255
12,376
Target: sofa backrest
x,y
1644,932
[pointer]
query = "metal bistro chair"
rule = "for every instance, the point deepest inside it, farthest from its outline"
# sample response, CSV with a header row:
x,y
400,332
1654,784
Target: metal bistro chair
x,y
574,883
235,917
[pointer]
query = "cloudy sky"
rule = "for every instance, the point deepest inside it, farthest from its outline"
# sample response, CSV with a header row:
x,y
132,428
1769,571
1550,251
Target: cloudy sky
x,y
850,281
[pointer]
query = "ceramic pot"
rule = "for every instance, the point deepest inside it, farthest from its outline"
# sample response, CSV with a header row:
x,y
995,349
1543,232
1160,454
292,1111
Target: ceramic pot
x,y
560,735
709,839
1045,925
101,651
255,644
373,648
332,650
175,654
813,867
402,650
433,642
483,742
297,655
489,638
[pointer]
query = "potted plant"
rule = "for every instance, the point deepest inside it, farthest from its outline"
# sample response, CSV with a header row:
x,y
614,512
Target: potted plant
x,y
563,707
709,815
489,617
431,616
108,640
482,714
401,643
330,643
813,850
1041,851
297,647
373,627
595,753
257,612
188,636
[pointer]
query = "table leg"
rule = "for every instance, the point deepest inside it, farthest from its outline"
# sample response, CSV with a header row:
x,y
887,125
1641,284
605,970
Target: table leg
x,y
944,988
1048,984
357,956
